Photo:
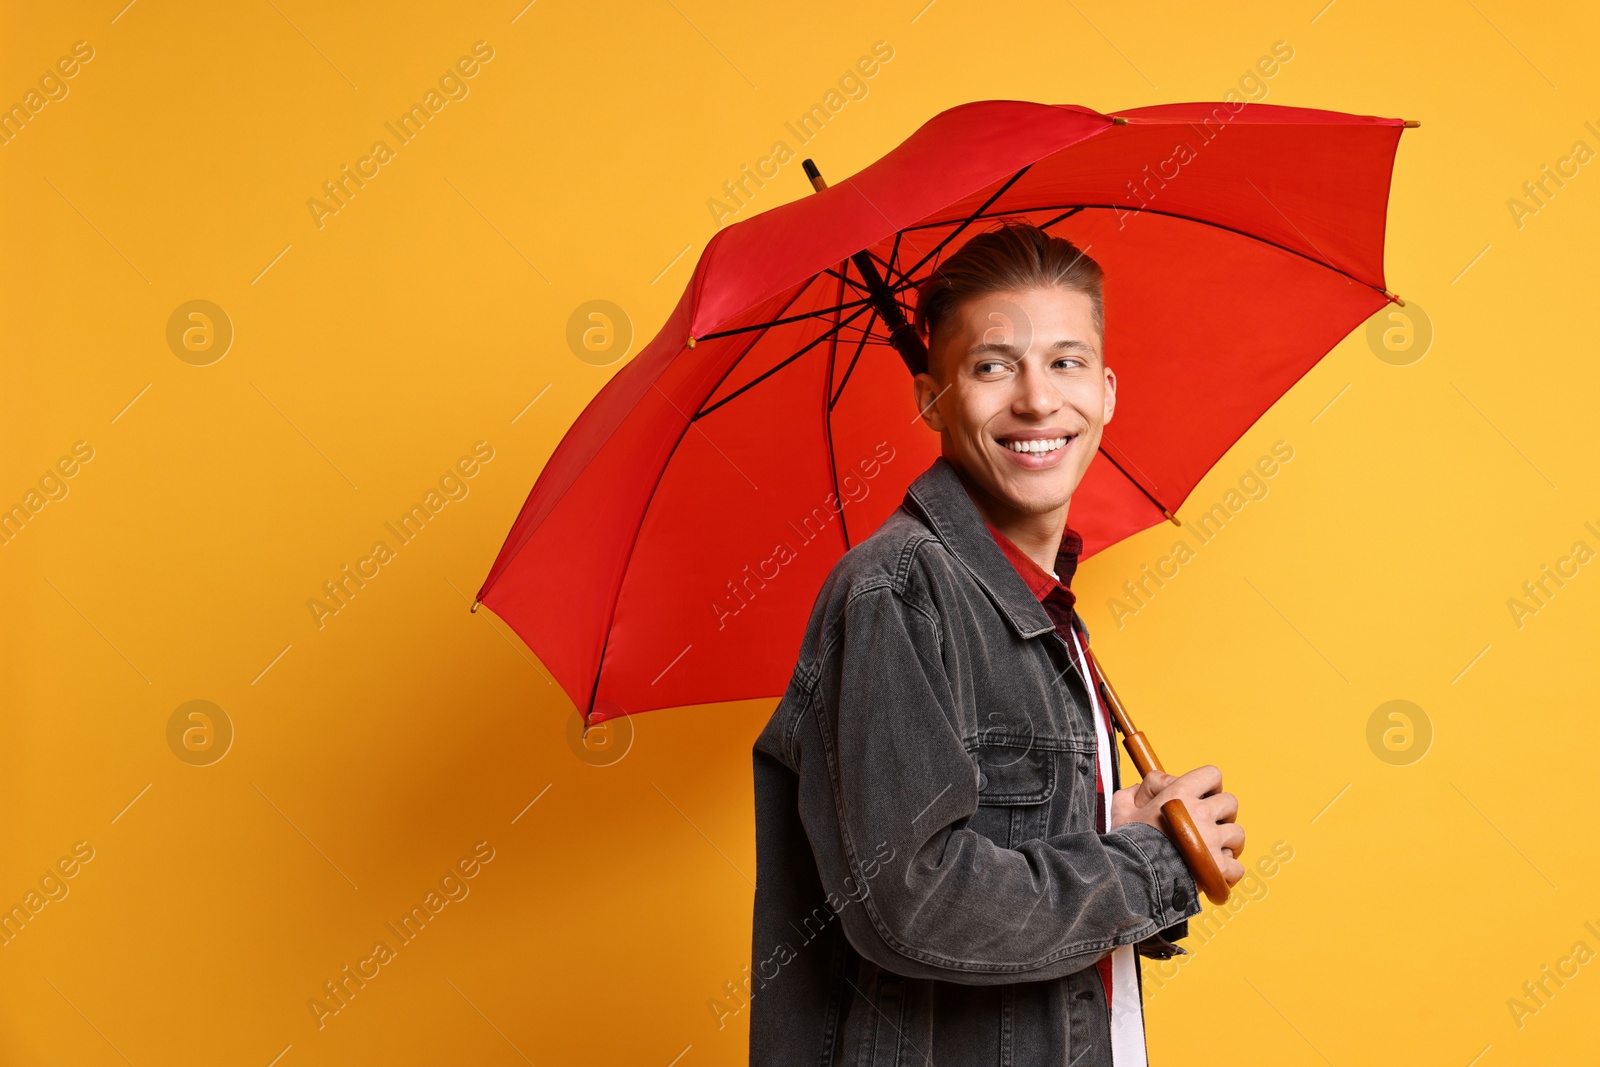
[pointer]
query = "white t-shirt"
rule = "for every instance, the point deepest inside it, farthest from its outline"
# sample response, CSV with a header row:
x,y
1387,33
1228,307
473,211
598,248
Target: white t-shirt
x,y
1127,1015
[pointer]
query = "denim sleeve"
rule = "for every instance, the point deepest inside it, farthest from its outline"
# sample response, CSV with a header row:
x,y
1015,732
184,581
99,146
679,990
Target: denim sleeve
x,y
947,902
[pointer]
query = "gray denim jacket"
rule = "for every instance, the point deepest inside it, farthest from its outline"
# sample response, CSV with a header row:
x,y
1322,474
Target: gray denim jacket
x,y
930,888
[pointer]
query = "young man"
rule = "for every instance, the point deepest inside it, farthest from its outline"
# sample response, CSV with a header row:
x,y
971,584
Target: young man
x,y
939,877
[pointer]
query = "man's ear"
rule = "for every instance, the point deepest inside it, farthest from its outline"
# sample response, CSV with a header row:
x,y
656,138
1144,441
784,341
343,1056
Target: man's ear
x,y
1111,395
926,392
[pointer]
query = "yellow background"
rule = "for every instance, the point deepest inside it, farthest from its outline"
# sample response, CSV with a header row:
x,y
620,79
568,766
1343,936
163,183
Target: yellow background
x,y
369,354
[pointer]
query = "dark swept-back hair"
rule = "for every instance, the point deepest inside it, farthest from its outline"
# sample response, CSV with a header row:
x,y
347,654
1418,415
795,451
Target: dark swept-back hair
x,y
1016,255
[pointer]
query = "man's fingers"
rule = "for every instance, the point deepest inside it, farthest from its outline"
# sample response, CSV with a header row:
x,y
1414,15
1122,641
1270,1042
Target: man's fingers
x,y
1213,811
1151,786
1227,842
1200,782
1222,807
1158,780
1232,838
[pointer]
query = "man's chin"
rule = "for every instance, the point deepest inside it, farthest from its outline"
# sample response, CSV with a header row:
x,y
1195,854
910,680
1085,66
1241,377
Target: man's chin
x,y
1026,492
1039,499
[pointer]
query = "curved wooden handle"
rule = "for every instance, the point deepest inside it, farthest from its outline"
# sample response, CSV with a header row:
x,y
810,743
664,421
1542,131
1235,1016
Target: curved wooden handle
x,y
1181,828
1187,837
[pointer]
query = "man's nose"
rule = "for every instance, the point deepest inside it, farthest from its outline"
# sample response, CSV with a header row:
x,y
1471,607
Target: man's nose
x,y
1036,393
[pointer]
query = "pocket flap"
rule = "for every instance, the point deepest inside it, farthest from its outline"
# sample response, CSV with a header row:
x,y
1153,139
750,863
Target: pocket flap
x,y
1014,774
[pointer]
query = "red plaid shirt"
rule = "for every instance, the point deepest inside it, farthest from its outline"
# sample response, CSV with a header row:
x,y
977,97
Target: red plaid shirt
x,y
1058,600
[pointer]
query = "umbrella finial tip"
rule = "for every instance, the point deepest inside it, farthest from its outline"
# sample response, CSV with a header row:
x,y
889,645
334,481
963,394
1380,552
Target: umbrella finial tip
x,y
813,175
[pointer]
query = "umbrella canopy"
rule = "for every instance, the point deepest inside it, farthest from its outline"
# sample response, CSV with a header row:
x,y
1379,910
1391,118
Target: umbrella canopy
x,y
672,548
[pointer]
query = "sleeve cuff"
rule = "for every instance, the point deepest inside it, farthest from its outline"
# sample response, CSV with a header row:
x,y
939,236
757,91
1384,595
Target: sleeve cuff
x,y
1173,894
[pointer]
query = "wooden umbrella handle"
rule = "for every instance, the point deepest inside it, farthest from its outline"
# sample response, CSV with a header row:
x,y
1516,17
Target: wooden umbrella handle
x,y
1180,825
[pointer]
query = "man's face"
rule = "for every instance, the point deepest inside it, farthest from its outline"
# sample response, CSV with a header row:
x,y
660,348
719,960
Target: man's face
x,y
1019,368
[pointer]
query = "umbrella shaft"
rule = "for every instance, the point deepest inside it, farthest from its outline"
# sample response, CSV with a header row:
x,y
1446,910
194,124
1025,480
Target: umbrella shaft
x,y
901,333
1143,756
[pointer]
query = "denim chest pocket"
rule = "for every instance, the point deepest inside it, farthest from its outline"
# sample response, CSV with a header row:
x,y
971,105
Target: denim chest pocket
x,y
1016,783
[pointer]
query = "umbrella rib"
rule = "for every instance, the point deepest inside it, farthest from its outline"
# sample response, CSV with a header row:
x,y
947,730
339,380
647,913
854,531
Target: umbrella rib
x,y
1136,483
528,535
605,645
857,286
851,368
1105,442
1167,214
776,367
888,265
879,260
907,282
820,313
827,408
866,334
863,334
1022,211
1246,234
1064,215
968,221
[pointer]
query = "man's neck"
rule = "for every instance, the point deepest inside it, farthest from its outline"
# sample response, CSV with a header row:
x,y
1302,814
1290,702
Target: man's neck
x,y
1039,536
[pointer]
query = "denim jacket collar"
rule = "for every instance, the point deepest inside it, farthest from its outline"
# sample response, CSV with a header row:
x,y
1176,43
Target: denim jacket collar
x,y
940,499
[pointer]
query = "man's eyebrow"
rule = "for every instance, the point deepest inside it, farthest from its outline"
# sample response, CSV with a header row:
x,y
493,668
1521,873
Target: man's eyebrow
x,y
995,346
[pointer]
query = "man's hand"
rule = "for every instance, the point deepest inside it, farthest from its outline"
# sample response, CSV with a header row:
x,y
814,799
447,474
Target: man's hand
x,y
1212,810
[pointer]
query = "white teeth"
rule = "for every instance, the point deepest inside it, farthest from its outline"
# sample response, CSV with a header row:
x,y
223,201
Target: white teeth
x,y
1049,444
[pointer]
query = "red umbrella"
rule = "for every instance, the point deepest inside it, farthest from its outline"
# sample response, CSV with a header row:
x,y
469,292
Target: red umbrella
x,y
672,547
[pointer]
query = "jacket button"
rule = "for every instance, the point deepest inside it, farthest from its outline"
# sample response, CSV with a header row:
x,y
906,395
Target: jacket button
x,y
983,783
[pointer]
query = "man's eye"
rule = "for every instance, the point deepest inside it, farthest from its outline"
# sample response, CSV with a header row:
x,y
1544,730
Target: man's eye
x,y
983,368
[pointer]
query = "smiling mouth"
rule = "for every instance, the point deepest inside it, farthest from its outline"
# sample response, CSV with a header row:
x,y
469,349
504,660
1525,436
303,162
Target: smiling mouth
x,y
1040,447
